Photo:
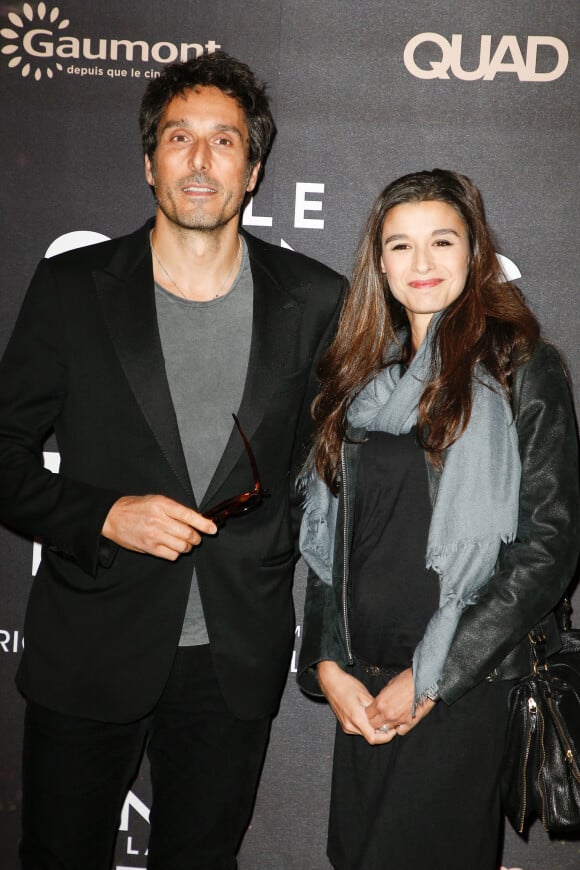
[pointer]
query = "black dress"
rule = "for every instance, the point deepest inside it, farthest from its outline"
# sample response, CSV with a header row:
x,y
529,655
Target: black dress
x,y
428,799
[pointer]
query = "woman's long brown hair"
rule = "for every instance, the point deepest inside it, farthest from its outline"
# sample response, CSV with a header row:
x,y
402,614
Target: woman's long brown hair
x,y
488,324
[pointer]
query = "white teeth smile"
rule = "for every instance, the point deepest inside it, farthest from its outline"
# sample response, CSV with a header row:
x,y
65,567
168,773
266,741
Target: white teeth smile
x,y
199,189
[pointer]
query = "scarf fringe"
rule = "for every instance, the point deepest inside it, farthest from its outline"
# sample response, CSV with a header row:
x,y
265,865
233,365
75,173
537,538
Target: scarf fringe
x,y
431,693
433,557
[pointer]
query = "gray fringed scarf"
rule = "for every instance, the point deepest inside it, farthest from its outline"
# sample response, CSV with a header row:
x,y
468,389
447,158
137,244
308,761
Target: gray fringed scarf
x,y
476,507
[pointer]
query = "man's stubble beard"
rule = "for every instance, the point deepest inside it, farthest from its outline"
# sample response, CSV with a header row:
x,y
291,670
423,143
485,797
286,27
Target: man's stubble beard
x,y
198,219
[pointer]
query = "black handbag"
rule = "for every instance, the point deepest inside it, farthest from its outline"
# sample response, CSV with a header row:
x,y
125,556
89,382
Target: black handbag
x,y
541,766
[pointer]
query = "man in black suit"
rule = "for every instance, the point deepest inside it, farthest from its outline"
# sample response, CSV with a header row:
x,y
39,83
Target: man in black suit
x,y
145,622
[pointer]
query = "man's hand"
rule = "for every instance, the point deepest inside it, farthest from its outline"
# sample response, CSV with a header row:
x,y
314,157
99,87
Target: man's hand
x,y
394,703
349,700
156,525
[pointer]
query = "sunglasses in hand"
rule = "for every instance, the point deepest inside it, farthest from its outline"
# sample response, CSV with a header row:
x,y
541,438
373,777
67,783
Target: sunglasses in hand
x,y
245,502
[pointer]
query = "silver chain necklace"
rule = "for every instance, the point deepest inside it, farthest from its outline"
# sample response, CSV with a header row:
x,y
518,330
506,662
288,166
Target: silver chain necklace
x,y
236,262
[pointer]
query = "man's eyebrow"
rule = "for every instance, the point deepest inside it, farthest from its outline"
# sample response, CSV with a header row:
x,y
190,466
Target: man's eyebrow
x,y
228,128
175,123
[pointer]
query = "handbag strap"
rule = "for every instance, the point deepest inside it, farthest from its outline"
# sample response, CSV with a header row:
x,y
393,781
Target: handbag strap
x,y
538,657
563,614
537,638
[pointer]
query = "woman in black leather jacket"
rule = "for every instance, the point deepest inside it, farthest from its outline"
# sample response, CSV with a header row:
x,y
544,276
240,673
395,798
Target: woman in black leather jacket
x,y
440,526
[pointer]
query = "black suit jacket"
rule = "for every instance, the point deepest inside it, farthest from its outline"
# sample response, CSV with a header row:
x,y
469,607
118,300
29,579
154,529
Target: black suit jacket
x,y
85,359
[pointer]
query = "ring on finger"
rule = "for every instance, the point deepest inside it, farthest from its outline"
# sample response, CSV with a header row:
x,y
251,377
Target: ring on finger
x,y
384,728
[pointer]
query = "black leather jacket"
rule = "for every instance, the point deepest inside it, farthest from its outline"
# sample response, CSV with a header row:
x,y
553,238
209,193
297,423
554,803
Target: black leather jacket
x,y
532,573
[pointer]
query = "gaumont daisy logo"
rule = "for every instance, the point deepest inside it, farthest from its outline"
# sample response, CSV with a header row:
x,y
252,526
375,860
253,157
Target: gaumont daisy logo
x,y
36,44
26,40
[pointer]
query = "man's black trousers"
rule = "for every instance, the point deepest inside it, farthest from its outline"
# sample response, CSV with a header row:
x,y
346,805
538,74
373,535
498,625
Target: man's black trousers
x,y
205,765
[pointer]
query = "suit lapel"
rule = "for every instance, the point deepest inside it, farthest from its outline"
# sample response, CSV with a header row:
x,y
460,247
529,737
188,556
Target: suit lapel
x,y
128,303
276,322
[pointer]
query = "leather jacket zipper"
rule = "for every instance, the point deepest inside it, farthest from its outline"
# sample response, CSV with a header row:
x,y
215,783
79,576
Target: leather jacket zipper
x,y
345,508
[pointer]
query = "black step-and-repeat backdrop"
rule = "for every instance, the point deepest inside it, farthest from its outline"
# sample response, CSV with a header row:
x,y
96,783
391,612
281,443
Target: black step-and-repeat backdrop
x,y
362,93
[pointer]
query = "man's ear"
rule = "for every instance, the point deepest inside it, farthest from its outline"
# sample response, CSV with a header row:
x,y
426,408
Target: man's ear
x,y
149,171
253,177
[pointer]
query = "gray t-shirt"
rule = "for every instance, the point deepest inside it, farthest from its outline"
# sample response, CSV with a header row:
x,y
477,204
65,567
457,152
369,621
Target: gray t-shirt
x,y
206,346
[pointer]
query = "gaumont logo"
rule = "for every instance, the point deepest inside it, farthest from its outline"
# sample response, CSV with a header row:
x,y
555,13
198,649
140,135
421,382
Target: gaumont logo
x,y
432,56
37,46
23,43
